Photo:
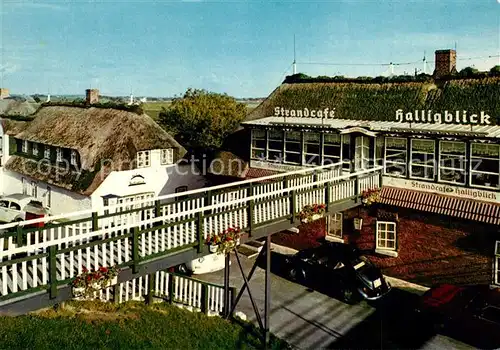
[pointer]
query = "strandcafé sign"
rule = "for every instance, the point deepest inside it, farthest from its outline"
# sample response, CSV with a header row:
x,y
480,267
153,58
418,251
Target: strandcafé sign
x,y
456,117
470,193
305,112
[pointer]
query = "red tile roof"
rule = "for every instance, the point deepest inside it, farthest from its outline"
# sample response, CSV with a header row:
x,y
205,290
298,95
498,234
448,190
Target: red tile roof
x,y
463,208
253,173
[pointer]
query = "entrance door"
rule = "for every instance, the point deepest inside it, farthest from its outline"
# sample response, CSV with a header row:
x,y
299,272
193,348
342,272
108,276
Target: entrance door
x,y
361,153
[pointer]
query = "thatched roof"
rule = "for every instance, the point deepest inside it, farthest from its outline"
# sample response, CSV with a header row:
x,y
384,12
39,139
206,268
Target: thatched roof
x,y
228,164
18,107
100,135
369,101
12,127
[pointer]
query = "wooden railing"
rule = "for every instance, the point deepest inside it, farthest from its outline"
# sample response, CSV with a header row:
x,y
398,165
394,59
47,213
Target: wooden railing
x,y
43,258
169,287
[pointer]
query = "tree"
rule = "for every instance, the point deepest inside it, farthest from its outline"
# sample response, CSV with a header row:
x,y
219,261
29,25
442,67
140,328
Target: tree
x,y
495,71
200,120
468,72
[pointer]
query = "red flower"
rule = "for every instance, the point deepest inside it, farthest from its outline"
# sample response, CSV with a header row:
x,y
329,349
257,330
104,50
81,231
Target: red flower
x,y
103,269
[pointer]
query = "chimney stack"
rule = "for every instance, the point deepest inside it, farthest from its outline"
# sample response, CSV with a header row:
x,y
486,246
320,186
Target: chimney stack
x,y
91,96
445,63
4,93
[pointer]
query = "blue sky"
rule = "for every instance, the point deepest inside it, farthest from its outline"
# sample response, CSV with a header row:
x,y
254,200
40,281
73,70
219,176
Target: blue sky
x,y
242,48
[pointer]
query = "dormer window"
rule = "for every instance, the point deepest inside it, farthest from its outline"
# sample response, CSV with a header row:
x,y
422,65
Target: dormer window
x,y
167,156
24,146
143,159
35,149
46,153
73,157
59,154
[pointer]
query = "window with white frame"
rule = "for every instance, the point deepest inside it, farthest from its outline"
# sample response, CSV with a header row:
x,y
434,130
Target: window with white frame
x,y
312,148
143,159
335,225
73,157
332,150
46,152
24,183
346,152
361,152
167,156
452,161
34,189
396,156
59,154
24,146
258,144
293,146
423,157
48,197
386,235
35,149
275,146
485,165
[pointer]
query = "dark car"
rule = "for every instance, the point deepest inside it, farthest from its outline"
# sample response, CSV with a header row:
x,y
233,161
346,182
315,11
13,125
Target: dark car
x,y
471,312
340,269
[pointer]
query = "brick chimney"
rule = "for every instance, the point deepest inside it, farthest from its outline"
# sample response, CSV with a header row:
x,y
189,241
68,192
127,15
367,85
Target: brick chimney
x,y
446,63
91,96
4,93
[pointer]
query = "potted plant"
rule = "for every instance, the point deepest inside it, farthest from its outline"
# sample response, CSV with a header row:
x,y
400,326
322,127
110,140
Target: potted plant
x,y
224,242
370,196
88,283
312,212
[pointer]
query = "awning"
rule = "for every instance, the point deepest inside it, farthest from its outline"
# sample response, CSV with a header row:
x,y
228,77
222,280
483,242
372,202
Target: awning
x,y
463,208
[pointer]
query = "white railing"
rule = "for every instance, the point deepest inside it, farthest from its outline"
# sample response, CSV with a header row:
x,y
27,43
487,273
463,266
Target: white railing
x,y
25,266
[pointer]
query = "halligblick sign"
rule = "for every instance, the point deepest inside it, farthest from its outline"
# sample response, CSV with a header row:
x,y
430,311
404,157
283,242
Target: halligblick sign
x,y
446,117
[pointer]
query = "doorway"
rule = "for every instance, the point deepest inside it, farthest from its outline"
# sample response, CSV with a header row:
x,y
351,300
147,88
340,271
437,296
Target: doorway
x,y
362,158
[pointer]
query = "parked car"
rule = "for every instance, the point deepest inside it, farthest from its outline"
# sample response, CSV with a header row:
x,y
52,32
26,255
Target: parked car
x,y
19,207
341,269
207,264
465,311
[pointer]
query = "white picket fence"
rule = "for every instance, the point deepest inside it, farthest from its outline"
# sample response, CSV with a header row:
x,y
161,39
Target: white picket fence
x,y
271,197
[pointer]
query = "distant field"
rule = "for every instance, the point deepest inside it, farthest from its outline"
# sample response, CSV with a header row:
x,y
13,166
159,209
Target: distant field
x,y
153,109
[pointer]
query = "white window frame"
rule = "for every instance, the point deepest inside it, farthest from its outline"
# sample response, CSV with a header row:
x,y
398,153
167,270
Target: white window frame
x,y
167,156
389,227
293,142
59,154
395,162
259,138
48,197
34,189
24,183
449,168
24,146
335,220
46,153
73,158
472,171
143,159
315,143
422,164
269,149
35,149
332,144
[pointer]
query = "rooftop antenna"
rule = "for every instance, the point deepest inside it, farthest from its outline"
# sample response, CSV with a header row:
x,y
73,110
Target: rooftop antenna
x,y
294,56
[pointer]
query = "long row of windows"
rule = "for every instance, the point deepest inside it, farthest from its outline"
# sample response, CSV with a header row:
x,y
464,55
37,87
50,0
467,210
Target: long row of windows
x,y
453,165
50,153
295,147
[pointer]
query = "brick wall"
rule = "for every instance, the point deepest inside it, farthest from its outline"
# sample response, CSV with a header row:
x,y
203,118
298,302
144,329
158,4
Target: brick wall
x,y
432,248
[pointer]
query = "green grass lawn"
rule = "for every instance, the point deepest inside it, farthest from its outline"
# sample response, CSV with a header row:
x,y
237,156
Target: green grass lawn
x,y
133,325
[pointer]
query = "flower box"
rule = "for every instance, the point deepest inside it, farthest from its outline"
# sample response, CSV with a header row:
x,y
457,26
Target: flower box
x,y
224,242
88,284
312,218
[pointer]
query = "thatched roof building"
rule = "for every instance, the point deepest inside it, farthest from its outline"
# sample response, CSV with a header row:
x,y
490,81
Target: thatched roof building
x,y
106,140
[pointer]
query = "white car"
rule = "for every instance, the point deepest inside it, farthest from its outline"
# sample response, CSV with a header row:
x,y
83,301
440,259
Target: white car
x,y
19,207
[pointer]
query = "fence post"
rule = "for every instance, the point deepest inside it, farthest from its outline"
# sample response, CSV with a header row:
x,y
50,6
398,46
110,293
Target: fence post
x,y
357,192
200,231
250,211
135,249
170,287
116,293
19,238
95,221
327,196
233,297
151,282
157,208
293,205
52,271
204,298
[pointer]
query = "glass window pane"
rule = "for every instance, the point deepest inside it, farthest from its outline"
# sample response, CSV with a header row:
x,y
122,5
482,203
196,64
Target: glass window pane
x,y
276,135
332,151
292,146
258,134
314,149
332,139
275,156
293,135
275,145
292,158
311,137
